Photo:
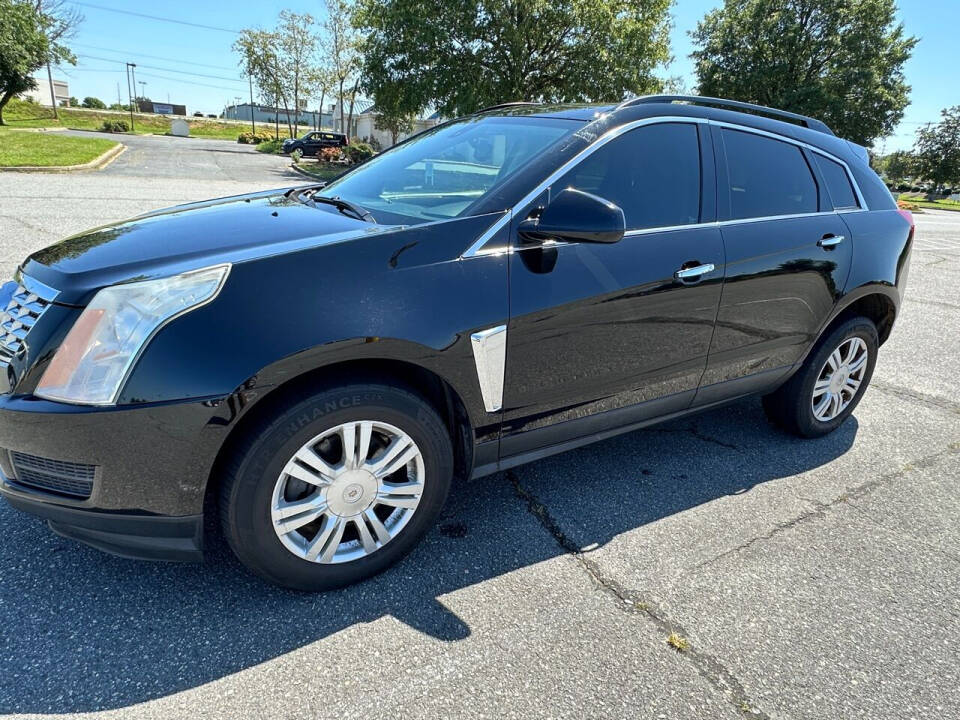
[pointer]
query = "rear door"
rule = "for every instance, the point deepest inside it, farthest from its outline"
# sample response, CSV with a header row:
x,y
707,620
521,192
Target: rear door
x,y
604,335
787,260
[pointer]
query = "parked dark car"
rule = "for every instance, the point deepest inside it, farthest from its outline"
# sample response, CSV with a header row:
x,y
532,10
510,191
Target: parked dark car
x,y
318,365
313,142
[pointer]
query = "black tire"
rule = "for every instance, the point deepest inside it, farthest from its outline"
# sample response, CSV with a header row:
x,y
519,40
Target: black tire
x,y
790,407
246,493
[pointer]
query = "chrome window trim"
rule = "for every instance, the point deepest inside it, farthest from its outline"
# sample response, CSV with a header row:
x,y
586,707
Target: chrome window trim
x,y
477,249
800,143
490,357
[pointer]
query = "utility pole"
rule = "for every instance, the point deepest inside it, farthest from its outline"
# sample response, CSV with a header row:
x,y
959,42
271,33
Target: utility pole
x,y
53,95
253,121
119,99
130,95
133,72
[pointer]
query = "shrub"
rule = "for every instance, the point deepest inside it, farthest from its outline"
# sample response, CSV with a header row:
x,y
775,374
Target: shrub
x,y
249,138
271,145
359,151
907,205
296,155
114,126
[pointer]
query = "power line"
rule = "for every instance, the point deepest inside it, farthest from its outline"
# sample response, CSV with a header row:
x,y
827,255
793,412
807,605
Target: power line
x,y
163,69
128,53
185,82
157,17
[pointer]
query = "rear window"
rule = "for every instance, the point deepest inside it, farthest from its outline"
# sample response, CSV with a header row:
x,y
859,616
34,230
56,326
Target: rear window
x,y
767,177
838,183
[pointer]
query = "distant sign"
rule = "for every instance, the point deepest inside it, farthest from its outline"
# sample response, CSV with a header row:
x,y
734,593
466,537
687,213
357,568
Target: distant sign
x,y
163,109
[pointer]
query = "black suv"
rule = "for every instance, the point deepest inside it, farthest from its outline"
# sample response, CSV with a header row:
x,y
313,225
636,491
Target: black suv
x,y
313,142
316,365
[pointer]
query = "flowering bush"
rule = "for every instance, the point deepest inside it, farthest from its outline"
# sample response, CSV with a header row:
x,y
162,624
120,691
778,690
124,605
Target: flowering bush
x,y
331,155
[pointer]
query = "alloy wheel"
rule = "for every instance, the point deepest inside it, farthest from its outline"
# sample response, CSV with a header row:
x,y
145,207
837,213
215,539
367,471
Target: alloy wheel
x,y
348,492
840,379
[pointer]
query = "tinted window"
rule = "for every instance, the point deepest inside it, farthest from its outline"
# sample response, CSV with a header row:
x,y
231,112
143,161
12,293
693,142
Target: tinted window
x,y
439,174
653,173
767,177
838,183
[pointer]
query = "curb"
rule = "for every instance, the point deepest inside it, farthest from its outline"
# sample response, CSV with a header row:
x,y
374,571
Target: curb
x,y
297,169
98,163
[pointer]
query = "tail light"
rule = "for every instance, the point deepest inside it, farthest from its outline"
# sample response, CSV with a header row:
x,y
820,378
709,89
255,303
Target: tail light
x,y
908,216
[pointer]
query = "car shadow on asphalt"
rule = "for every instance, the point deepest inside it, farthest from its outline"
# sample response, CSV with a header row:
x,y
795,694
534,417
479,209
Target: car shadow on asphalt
x,y
84,631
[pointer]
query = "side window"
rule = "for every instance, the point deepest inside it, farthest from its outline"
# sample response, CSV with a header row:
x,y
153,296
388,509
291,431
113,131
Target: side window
x,y
838,183
767,177
652,173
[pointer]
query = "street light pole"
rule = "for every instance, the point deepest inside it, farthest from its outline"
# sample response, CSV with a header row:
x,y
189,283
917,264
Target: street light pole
x,y
130,95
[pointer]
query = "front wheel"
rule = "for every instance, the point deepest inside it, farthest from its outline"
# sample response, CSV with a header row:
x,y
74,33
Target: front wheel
x,y
338,487
829,385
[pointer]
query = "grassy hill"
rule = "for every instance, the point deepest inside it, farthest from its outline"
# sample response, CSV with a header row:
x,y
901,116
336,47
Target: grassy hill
x,y
22,114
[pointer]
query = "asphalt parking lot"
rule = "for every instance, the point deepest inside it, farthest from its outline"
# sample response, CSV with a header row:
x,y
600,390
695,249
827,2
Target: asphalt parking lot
x,y
812,579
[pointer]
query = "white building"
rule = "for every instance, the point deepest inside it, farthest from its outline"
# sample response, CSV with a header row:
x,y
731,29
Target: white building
x,y
364,124
41,94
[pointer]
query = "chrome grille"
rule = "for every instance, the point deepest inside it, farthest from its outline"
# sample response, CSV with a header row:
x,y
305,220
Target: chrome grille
x,y
53,476
22,311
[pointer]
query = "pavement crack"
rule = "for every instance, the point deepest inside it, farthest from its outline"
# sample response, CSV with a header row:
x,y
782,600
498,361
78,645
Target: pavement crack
x,y
936,303
933,401
697,433
707,666
820,509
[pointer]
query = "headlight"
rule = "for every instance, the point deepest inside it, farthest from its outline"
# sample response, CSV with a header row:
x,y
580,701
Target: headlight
x,y
98,353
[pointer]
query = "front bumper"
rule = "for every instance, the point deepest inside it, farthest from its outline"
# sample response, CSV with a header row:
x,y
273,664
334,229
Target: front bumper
x,y
149,467
142,537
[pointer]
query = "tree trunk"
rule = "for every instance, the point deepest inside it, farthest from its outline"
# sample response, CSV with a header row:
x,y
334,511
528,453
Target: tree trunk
x,y
323,95
353,98
3,103
340,100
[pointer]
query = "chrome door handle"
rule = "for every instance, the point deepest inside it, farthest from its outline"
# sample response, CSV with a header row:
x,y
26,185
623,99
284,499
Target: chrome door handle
x,y
830,241
694,272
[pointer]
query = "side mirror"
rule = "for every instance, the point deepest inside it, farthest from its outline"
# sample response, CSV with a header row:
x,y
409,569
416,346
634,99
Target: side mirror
x,y
576,216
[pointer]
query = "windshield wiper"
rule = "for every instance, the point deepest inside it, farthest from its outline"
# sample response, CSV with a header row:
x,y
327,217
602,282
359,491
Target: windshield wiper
x,y
346,207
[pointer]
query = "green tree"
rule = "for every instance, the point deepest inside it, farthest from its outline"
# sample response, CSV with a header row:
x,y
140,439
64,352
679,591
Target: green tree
x,y
341,51
30,37
838,60
896,167
461,55
937,150
95,103
396,125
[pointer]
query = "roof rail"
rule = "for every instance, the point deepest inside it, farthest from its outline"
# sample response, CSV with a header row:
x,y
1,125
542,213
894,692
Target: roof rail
x,y
807,122
498,106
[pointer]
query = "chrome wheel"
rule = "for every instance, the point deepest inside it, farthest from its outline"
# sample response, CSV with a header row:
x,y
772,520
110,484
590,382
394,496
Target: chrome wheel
x,y
840,379
348,492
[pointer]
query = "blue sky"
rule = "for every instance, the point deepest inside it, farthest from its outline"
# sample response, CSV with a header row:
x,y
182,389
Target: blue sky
x,y
195,65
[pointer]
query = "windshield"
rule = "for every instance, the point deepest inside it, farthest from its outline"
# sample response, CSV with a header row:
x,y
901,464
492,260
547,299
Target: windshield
x,y
440,174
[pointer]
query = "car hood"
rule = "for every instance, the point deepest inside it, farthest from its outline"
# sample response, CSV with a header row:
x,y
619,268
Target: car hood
x,y
185,237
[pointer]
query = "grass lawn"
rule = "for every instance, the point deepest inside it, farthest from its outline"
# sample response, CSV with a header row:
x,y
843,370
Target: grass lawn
x,y
19,149
920,201
21,114
322,171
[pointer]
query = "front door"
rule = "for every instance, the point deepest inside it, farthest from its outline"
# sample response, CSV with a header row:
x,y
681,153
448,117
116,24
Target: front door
x,y
603,335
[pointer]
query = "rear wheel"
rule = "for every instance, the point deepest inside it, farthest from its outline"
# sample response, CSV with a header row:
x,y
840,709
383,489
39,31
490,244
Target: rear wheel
x,y
337,487
827,388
